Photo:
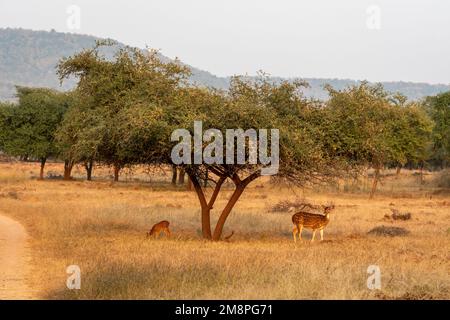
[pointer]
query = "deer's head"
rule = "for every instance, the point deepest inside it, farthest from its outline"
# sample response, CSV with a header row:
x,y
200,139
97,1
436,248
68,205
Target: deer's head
x,y
327,209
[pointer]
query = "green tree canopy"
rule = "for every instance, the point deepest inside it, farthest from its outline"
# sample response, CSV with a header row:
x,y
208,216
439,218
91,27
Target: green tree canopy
x,y
374,128
255,104
438,107
111,92
79,135
6,111
30,125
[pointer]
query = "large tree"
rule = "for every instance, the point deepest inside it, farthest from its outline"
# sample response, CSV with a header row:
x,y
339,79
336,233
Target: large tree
x,y
253,105
112,89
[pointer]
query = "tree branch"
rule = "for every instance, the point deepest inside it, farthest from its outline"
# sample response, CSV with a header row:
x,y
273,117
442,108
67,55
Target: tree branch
x,y
216,171
198,189
216,192
251,177
237,181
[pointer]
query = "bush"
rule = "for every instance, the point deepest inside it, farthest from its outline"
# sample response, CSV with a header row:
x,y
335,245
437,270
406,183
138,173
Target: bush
x,y
384,231
297,204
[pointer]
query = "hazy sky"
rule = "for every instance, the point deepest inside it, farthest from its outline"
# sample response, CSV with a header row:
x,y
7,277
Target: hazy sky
x,y
395,40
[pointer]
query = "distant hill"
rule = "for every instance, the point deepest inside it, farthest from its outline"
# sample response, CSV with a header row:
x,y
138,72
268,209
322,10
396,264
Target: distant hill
x,y
29,58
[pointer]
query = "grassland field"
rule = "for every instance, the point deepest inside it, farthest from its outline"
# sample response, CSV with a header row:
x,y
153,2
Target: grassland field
x,y
100,226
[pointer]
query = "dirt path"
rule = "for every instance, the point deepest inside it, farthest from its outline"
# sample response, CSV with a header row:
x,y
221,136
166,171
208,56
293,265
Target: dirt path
x,y
14,260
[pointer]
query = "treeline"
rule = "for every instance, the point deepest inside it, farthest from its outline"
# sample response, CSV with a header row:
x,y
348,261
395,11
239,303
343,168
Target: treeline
x,y
123,111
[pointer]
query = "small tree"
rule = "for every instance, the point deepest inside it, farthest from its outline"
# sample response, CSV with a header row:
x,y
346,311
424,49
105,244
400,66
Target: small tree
x,y
438,107
31,125
79,136
6,112
374,128
411,135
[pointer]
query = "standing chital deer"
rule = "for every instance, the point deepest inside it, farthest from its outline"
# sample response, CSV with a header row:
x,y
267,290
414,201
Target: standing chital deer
x,y
156,230
312,221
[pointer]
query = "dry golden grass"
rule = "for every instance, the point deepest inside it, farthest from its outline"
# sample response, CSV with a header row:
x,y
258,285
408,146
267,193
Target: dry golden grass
x,y
101,227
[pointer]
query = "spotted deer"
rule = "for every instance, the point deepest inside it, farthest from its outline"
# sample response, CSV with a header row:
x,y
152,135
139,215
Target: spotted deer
x,y
156,230
314,221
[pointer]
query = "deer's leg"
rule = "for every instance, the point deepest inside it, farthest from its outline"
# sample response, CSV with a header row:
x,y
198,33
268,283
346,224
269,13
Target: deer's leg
x,y
300,232
168,232
321,234
294,233
313,235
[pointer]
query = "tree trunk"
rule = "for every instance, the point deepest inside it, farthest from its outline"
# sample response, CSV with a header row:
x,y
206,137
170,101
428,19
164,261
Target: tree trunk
x,y
399,168
375,181
240,187
189,185
206,223
181,176
68,165
116,172
174,174
88,166
206,206
41,172
226,211
421,173
206,210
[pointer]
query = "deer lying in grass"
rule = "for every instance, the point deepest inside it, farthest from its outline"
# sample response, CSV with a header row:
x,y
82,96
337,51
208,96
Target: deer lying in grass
x,y
314,221
156,230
